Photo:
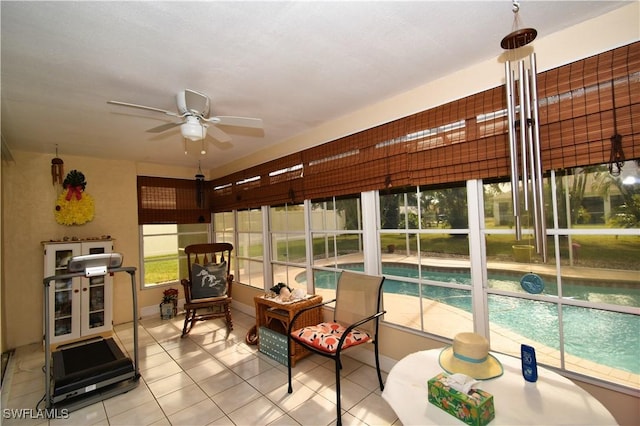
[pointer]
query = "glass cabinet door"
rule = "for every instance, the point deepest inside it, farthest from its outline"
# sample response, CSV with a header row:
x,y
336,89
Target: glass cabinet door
x,y
62,307
64,295
96,295
96,302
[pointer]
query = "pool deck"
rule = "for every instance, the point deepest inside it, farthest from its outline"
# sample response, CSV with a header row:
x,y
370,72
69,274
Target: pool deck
x,y
576,272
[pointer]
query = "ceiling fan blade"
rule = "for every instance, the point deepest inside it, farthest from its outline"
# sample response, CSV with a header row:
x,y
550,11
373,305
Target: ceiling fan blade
x,y
173,114
255,123
163,127
195,102
218,134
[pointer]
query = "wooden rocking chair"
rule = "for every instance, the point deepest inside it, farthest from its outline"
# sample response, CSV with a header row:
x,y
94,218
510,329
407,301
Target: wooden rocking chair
x,y
208,289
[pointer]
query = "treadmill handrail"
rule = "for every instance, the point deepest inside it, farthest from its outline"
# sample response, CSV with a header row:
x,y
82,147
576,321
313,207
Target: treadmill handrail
x,y
47,280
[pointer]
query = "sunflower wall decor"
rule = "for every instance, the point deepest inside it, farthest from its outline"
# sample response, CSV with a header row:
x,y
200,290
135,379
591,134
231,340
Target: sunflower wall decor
x,y
74,206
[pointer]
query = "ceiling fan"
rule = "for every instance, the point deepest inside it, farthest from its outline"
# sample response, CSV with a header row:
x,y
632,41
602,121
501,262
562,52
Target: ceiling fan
x,y
193,111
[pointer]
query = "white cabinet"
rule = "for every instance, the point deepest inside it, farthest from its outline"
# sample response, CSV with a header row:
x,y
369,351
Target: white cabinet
x,y
79,307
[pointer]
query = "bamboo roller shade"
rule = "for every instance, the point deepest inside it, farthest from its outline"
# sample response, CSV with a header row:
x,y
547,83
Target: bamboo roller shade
x,y
459,140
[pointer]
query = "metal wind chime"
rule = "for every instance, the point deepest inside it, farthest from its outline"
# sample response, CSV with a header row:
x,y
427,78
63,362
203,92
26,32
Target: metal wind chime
x,y
199,188
524,133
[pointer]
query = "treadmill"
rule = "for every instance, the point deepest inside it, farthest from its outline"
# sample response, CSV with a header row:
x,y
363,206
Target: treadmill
x,y
85,372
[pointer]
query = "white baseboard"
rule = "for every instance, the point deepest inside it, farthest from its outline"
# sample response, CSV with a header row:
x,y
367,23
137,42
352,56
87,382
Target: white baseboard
x,y
154,310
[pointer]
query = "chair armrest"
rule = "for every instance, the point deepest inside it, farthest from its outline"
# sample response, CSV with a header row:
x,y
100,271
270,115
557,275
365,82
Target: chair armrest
x,y
356,325
363,320
303,310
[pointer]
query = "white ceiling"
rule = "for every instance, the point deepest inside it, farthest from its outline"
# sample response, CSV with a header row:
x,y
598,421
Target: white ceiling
x,y
296,65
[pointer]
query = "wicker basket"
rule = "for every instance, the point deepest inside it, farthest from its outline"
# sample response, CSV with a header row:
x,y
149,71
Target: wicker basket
x,y
275,317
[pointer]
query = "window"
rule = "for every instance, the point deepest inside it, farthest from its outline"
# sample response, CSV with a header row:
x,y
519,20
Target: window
x,y
425,259
586,319
250,250
337,240
288,244
163,251
224,227
170,219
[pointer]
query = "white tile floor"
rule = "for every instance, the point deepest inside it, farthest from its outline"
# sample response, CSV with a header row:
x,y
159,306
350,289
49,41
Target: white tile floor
x,y
208,379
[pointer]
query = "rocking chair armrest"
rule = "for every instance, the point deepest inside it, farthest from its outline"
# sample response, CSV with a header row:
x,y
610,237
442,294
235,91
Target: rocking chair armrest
x,y
186,285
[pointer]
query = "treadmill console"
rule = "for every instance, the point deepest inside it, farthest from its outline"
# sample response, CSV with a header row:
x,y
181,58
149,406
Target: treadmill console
x,y
94,264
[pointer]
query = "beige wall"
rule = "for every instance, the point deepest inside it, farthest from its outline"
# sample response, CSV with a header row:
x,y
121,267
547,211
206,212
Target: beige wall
x,y
29,197
29,201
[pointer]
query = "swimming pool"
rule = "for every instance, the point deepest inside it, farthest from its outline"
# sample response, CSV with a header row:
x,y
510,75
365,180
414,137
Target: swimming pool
x,y
535,320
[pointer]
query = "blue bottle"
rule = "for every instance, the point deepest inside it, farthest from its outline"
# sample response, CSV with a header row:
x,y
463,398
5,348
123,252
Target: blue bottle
x,y
529,364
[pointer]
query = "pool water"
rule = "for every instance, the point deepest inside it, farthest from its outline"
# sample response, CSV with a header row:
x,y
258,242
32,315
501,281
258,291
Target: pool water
x,y
607,338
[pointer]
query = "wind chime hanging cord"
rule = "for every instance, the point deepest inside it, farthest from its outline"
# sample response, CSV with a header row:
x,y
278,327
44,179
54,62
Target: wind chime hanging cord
x,y
617,154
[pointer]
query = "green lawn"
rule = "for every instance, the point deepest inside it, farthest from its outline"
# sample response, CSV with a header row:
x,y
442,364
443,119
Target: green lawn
x,y
160,269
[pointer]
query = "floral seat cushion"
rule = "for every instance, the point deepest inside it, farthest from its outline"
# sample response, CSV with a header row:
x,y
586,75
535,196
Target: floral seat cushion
x,y
325,336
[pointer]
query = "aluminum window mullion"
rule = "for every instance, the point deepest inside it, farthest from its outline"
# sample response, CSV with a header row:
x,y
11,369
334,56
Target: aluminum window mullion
x,y
478,264
267,254
370,236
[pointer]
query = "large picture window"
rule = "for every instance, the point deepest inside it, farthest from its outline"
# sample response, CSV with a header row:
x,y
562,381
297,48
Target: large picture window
x,y
425,259
336,235
586,318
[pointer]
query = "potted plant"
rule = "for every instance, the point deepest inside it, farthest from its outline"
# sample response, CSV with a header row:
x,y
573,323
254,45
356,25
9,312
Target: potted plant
x,y
169,304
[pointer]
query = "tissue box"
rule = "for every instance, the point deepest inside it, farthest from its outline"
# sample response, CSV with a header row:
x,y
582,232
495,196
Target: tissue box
x,y
475,409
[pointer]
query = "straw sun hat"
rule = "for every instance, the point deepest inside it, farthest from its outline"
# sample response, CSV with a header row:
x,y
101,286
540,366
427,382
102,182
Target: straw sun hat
x,y
469,355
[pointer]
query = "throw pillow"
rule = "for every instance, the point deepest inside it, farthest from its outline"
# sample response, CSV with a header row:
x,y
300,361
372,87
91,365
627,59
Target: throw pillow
x,y
208,280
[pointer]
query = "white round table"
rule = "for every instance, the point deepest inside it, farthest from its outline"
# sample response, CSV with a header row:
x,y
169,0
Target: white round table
x,y
552,400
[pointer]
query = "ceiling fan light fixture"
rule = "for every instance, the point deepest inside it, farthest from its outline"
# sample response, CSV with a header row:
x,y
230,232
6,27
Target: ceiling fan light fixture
x,y
193,130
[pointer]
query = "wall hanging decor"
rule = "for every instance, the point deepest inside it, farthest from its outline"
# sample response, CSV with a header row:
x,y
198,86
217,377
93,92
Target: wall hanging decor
x,y
74,206
57,169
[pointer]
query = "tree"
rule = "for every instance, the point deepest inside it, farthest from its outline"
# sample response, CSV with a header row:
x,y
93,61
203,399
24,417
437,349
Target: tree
x,y
452,206
390,211
627,213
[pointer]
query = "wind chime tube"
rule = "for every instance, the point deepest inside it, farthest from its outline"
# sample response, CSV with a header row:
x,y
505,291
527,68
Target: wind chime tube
x,y
513,149
541,227
531,177
522,98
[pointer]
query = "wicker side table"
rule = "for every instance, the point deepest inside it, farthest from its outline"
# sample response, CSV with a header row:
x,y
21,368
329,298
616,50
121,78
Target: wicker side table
x,y
277,316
